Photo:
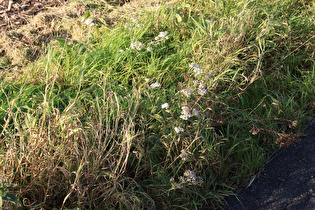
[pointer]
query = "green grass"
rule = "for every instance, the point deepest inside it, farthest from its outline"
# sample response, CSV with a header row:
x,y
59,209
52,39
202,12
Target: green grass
x,y
85,129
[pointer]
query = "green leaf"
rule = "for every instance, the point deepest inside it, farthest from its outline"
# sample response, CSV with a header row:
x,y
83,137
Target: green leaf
x,y
62,42
12,198
179,18
87,14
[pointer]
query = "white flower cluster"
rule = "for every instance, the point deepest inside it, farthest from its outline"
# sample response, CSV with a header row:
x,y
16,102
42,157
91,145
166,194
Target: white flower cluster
x,y
185,114
190,178
184,155
137,45
197,69
179,129
134,20
90,22
155,85
153,43
196,112
162,36
202,91
165,106
202,85
187,92
130,26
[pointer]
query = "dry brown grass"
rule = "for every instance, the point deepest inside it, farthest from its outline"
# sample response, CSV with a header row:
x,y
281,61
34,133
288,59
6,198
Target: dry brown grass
x,y
23,45
62,163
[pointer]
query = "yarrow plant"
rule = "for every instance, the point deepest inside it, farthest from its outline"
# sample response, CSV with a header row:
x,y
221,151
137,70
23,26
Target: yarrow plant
x,y
130,26
184,155
197,69
165,106
196,112
191,178
155,85
202,91
134,19
187,92
162,36
90,22
137,45
179,129
185,114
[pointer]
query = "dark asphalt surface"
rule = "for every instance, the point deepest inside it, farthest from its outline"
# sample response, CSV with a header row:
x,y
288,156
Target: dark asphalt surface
x,y
287,181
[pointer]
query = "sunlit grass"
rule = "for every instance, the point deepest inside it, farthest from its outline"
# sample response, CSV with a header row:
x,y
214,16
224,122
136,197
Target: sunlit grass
x,y
163,110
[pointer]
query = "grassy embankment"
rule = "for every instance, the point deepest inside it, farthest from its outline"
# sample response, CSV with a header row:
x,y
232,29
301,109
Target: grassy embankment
x,y
88,126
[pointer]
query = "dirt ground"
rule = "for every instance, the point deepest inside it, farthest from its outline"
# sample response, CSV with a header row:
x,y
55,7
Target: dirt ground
x,y
21,11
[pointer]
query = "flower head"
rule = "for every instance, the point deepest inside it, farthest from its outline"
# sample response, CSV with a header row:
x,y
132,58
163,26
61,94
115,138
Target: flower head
x,y
178,129
184,155
185,114
89,22
196,112
137,45
155,85
197,68
129,26
191,178
194,65
134,20
202,85
162,35
184,117
165,106
149,49
202,91
187,92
